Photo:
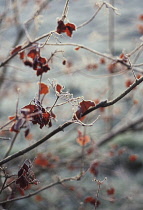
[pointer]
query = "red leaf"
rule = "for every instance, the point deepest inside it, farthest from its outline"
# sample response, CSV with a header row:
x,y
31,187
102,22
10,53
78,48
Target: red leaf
x,y
26,175
42,60
82,139
43,69
133,158
44,89
37,114
38,198
33,53
94,168
92,201
28,109
77,48
70,27
28,63
12,117
22,55
59,88
67,28
41,160
61,28
111,191
16,49
83,107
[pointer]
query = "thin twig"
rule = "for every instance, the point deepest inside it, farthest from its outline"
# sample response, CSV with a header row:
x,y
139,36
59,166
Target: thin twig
x,y
135,50
65,11
9,122
94,15
40,79
120,129
99,183
61,128
60,181
11,145
25,46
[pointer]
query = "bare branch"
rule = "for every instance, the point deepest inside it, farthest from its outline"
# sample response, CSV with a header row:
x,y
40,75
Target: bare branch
x,y
60,181
119,130
61,128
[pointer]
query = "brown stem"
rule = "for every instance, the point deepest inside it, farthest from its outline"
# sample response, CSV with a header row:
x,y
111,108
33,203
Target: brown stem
x,y
61,128
42,189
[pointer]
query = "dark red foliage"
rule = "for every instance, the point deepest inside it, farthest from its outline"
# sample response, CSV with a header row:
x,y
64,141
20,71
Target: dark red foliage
x,y
94,168
83,107
92,201
22,55
41,160
33,53
133,157
40,65
28,63
70,28
61,28
111,191
37,114
46,160
82,139
26,176
59,88
33,59
67,28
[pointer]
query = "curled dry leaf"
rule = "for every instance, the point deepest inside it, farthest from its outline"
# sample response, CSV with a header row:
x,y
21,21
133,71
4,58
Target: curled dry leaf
x,y
26,176
33,59
67,28
59,88
37,115
83,107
